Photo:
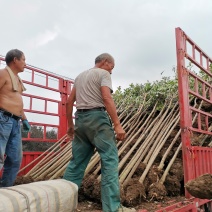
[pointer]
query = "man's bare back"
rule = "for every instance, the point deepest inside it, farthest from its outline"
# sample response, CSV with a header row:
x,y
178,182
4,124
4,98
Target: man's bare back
x,y
10,100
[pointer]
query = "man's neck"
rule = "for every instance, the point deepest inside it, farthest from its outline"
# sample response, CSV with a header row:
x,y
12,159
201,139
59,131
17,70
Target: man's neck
x,y
15,72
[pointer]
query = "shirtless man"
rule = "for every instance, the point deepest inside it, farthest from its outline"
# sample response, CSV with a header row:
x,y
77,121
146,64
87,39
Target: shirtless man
x,y
11,112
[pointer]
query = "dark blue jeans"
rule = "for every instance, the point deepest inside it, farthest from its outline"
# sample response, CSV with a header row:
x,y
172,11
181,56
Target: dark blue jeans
x,y
11,147
93,129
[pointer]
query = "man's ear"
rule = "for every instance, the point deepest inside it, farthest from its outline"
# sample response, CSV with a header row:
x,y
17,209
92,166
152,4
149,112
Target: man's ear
x,y
102,63
14,59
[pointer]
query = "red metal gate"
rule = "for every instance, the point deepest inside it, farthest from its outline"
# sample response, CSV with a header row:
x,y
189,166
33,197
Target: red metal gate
x,y
44,105
44,99
194,121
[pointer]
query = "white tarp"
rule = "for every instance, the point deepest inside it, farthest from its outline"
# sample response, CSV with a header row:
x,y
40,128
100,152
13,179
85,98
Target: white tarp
x,y
45,196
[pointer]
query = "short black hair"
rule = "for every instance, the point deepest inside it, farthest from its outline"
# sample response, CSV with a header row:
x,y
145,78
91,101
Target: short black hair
x,y
13,53
104,56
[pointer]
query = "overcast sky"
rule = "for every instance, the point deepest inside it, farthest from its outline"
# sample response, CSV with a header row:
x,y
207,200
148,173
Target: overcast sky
x,y
65,36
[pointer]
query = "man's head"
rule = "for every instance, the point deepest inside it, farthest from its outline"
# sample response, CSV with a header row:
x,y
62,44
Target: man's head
x,y
16,59
105,61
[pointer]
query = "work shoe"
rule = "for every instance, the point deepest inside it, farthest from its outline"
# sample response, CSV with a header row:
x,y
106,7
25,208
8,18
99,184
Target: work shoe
x,y
124,209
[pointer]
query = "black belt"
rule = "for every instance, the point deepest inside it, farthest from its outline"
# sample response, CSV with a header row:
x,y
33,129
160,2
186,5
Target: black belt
x,y
97,108
6,113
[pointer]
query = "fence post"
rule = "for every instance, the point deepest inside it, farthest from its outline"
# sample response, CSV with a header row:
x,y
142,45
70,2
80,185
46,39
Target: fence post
x,y
64,91
185,120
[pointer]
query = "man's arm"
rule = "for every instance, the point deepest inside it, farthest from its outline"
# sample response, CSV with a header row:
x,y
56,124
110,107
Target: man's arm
x,y
111,109
69,110
23,116
26,125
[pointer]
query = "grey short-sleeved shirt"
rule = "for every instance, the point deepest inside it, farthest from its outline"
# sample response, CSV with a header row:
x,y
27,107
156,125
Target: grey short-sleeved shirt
x,y
88,84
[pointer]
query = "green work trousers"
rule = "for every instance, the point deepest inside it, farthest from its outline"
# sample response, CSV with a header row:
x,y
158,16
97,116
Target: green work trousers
x,y
93,129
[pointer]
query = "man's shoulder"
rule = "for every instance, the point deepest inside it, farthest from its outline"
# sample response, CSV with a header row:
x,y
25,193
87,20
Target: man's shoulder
x,y
93,73
80,74
4,77
3,69
99,71
89,71
3,72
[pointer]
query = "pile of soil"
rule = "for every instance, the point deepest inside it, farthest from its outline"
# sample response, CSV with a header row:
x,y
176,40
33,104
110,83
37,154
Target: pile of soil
x,y
201,187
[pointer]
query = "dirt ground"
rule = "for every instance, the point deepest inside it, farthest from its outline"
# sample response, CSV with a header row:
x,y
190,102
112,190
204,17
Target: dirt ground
x,y
86,206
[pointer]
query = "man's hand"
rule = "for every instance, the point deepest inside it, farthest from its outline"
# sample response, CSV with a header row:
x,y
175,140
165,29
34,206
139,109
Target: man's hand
x,y
70,132
26,125
120,133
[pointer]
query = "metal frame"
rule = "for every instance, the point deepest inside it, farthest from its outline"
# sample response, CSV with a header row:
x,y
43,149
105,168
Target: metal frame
x,y
196,159
63,88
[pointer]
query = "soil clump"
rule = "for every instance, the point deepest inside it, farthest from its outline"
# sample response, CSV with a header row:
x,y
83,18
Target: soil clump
x,y
201,187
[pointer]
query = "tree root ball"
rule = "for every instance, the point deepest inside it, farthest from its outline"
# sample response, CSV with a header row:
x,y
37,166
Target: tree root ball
x,y
177,169
172,185
201,187
23,180
96,194
122,193
139,171
88,185
153,175
134,193
157,191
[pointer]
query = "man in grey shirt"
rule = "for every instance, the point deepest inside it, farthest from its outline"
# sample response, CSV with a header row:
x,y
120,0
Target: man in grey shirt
x,y
93,129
